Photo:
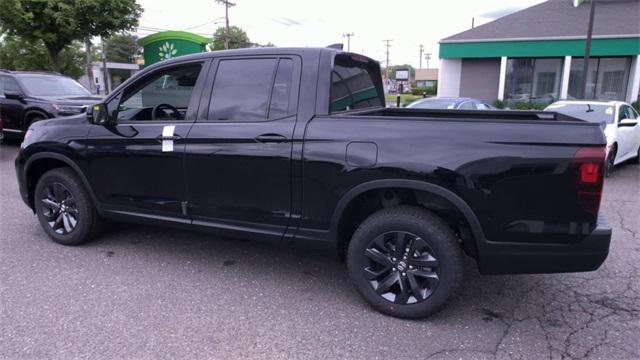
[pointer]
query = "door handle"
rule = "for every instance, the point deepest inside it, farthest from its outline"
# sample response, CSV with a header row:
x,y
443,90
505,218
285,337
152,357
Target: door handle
x,y
271,138
160,138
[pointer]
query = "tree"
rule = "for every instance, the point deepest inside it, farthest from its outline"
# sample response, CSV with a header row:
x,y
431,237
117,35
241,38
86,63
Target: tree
x,y
237,39
58,23
121,48
19,54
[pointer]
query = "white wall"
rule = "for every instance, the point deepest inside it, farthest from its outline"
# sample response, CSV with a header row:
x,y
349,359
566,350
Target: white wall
x,y
449,77
634,80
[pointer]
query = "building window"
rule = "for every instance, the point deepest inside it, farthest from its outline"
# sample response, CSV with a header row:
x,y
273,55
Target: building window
x,y
426,83
533,80
606,80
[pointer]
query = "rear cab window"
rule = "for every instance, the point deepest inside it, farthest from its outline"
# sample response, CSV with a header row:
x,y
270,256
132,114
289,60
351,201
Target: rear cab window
x,y
356,83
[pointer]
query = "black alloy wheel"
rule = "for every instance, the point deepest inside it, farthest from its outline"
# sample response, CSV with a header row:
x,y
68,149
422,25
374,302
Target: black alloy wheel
x,y
64,207
401,267
59,208
611,159
405,261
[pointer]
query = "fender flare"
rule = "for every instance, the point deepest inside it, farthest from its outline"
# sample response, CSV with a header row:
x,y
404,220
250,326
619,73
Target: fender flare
x,y
456,200
70,163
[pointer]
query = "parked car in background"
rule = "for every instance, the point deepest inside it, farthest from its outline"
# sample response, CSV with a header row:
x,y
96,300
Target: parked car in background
x,y
452,103
27,97
619,121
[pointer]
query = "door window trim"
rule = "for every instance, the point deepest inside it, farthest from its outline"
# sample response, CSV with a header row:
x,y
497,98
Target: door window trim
x,y
203,115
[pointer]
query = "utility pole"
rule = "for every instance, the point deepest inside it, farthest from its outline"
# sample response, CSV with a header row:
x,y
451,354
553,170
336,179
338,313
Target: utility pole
x,y
473,22
348,36
89,70
421,51
587,50
388,45
427,57
105,72
227,5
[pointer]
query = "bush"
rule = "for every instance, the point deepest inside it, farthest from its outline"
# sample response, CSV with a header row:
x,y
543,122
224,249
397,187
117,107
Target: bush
x,y
423,90
498,104
636,105
528,106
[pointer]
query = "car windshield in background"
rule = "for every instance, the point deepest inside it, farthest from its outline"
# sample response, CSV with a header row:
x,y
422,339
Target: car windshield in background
x,y
596,113
45,85
433,104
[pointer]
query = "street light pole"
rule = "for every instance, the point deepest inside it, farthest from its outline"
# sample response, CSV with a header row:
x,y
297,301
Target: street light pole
x,y
421,51
348,36
587,50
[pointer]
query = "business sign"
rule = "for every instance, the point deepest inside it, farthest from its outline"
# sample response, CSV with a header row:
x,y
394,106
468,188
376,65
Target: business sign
x,y
402,74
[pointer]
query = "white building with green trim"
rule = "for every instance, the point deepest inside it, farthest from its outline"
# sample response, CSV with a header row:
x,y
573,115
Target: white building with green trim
x,y
537,55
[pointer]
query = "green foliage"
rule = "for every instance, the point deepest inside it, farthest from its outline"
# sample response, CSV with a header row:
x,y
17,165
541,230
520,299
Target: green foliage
x,y
238,39
429,90
19,54
636,105
58,23
499,104
528,106
121,48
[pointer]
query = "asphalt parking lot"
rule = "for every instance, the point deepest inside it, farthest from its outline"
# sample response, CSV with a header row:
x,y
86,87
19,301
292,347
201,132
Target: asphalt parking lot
x,y
140,292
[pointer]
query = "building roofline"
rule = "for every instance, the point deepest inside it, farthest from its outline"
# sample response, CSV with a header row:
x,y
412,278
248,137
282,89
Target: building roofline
x,y
622,36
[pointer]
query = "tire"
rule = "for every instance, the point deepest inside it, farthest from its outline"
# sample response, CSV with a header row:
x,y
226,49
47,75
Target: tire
x,y
611,158
64,208
432,243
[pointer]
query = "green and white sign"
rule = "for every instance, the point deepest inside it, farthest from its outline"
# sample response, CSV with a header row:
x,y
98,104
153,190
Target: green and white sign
x,y
170,44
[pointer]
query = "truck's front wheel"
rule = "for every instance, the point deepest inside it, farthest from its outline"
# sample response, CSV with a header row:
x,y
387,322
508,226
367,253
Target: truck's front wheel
x,y
405,261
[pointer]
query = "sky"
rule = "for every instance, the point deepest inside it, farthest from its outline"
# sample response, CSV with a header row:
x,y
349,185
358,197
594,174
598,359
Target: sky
x,y
408,23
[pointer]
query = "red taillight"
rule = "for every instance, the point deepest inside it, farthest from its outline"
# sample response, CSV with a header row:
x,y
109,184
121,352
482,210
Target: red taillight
x,y
588,167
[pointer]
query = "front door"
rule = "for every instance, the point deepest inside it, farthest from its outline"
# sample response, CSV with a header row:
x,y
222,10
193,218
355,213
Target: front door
x,y
12,111
137,161
238,161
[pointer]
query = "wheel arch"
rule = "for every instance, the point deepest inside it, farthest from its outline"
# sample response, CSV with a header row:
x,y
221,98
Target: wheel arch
x,y
40,163
345,204
29,114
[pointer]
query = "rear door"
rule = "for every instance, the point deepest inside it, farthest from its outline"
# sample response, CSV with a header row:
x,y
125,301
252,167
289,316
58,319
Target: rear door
x,y
238,160
12,110
136,164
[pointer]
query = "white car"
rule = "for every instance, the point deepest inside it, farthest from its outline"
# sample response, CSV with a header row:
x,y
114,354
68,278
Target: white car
x,y
620,123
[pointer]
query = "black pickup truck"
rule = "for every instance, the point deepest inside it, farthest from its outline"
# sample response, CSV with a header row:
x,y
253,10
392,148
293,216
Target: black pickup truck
x,y
295,146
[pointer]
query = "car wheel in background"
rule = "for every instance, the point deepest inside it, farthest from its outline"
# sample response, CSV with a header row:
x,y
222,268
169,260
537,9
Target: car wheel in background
x,y
611,159
405,261
64,208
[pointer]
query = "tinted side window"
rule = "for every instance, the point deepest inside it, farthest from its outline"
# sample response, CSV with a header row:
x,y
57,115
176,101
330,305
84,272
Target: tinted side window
x,y
168,92
352,86
241,90
281,94
11,85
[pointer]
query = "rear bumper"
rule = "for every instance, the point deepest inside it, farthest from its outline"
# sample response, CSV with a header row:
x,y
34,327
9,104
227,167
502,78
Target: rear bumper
x,y
587,255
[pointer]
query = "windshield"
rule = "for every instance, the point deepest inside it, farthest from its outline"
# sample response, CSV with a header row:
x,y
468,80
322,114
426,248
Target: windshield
x,y
433,104
46,85
596,113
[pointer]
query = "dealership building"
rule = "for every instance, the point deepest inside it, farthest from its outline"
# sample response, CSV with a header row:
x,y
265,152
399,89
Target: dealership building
x,y
537,55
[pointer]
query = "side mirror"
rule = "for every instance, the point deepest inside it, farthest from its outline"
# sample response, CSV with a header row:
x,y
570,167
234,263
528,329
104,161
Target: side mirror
x,y
628,122
13,95
98,114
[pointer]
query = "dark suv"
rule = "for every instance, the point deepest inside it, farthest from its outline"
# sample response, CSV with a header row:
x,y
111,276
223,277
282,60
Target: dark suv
x,y
27,97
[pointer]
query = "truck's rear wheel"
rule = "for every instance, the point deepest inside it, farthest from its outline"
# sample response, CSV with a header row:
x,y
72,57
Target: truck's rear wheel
x,y
64,208
405,261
